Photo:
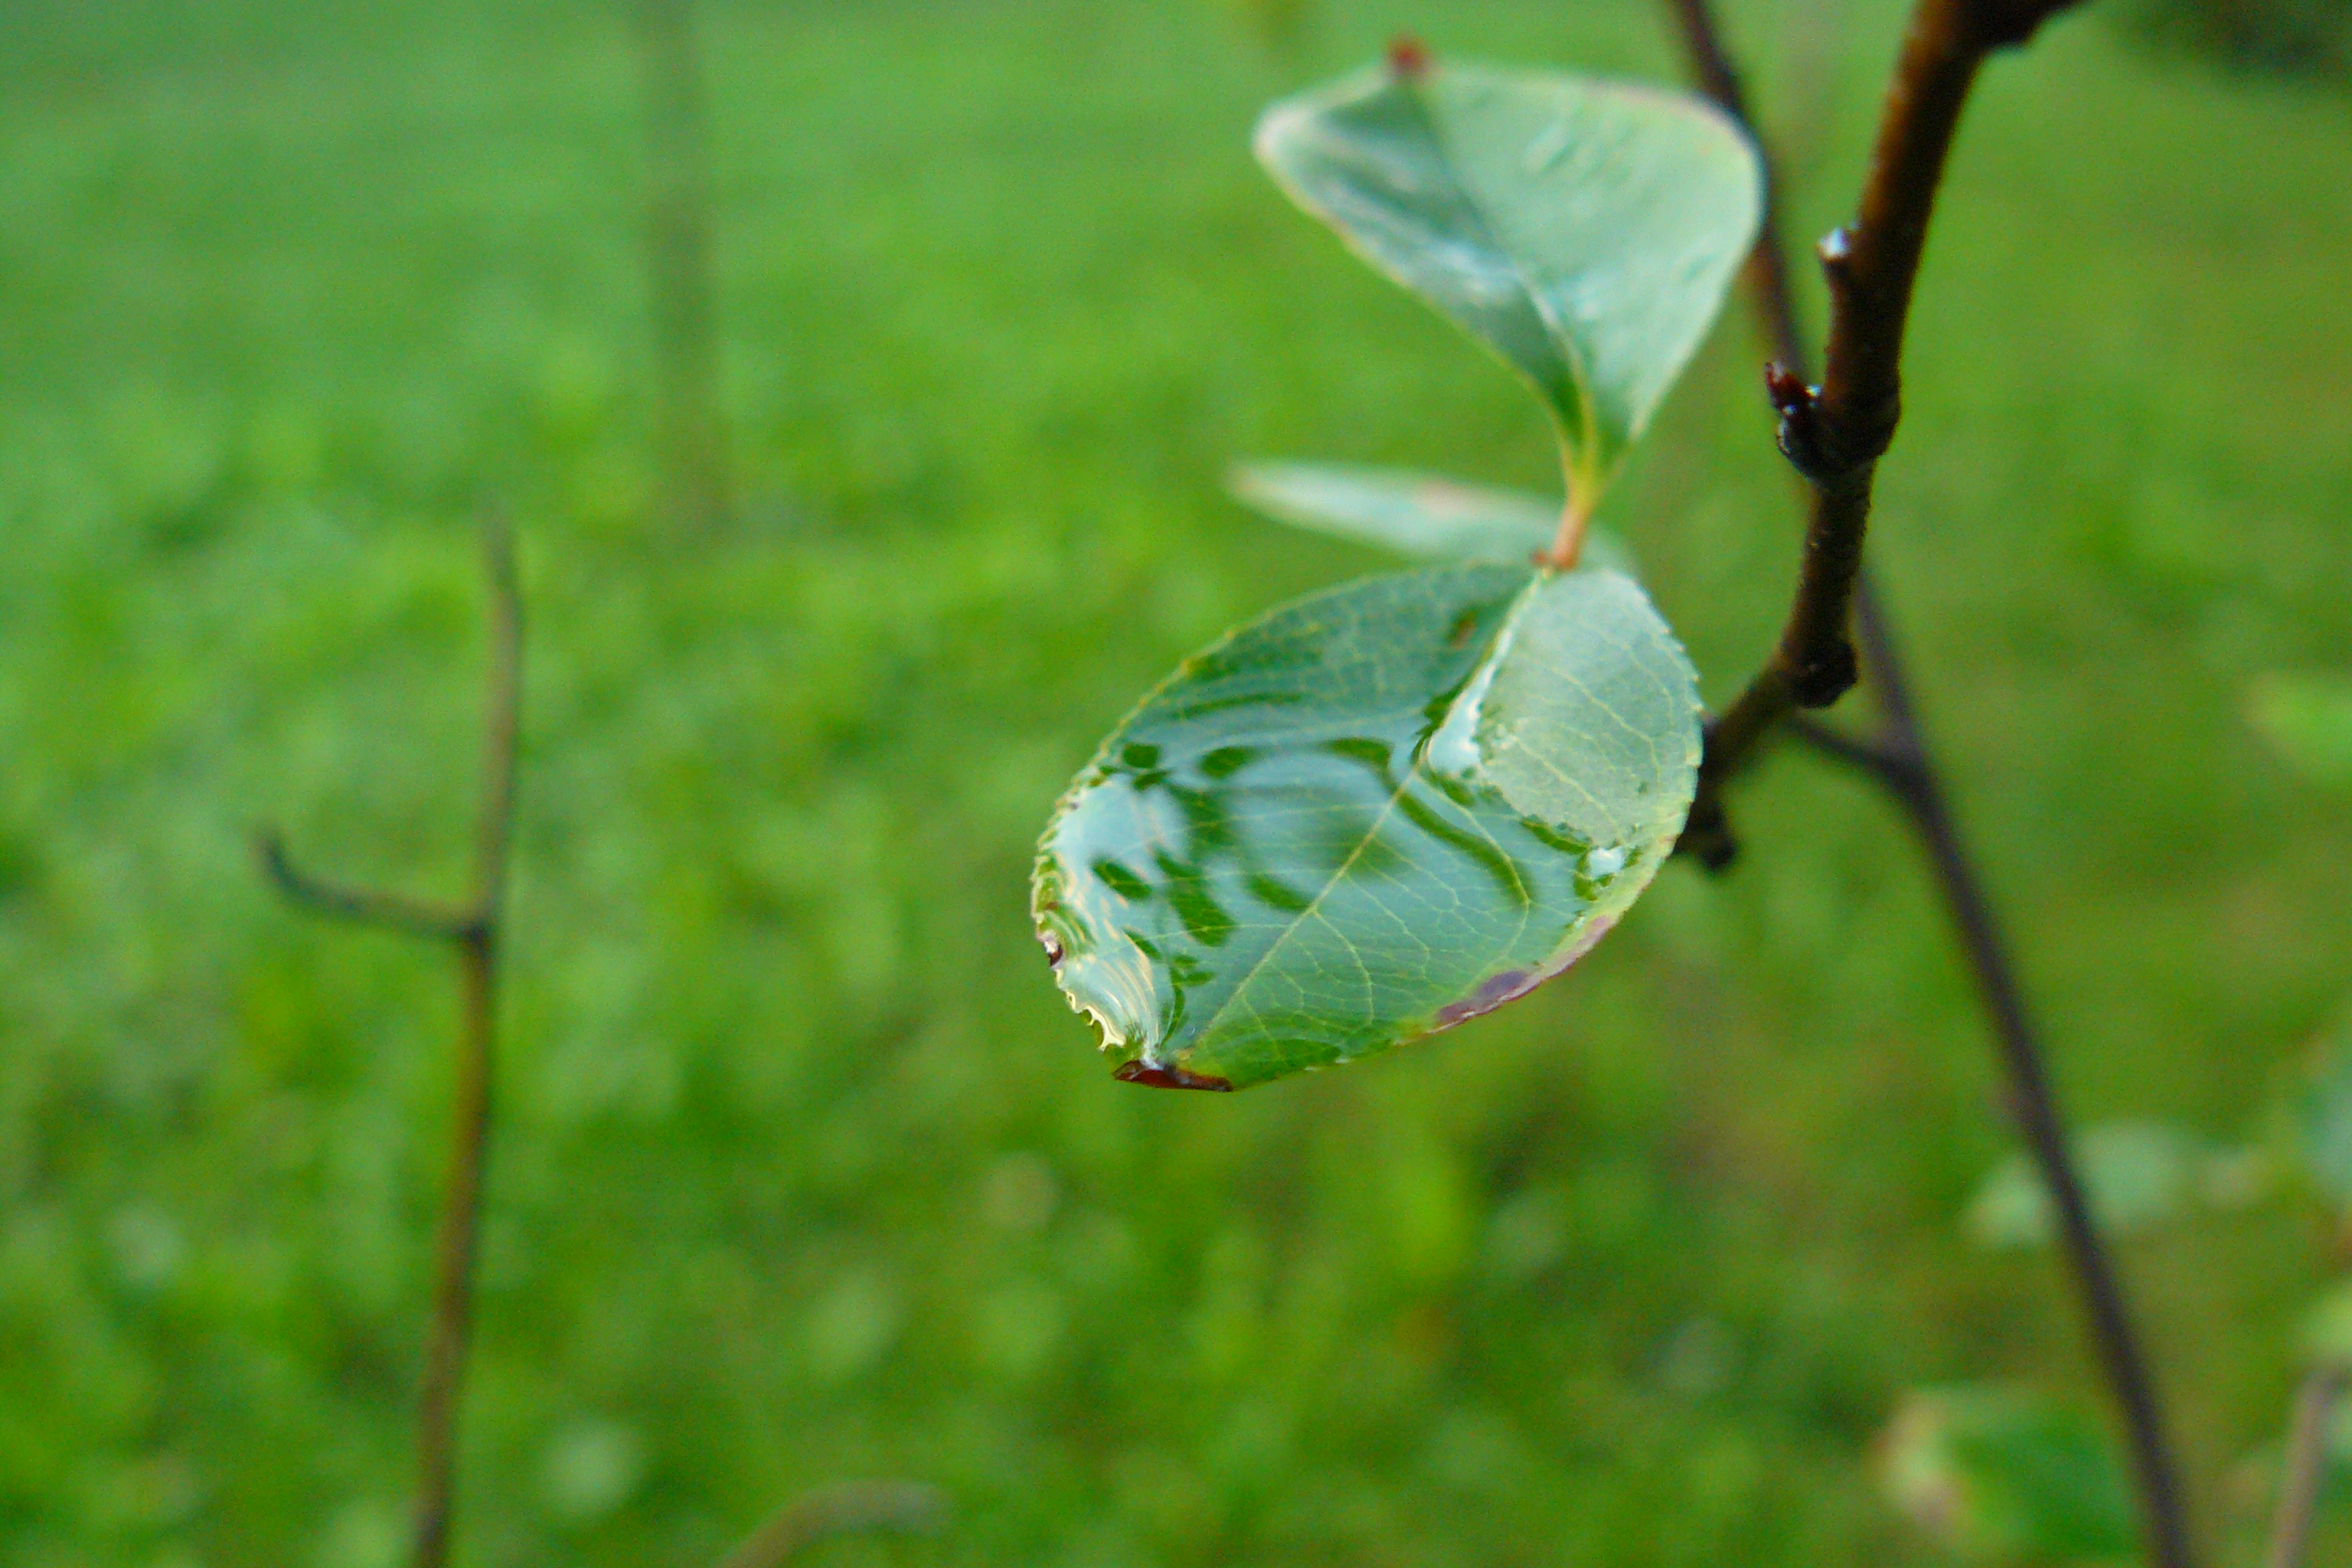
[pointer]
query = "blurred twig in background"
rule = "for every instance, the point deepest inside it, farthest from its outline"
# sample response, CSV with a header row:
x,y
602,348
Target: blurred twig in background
x,y
472,928
852,1508
2305,1465
697,477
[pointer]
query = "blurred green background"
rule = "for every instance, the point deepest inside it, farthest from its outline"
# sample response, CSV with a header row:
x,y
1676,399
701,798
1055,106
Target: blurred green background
x,y
804,1170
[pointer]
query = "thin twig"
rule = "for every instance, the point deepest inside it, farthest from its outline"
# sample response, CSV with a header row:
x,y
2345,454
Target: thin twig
x,y
2306,1463
852,1508
1835,432
473,930
456,1237
392,911
1873,755
1946,41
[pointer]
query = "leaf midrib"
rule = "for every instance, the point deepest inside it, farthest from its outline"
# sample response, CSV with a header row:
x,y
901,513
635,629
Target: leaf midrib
x,y
1412,775
1582,457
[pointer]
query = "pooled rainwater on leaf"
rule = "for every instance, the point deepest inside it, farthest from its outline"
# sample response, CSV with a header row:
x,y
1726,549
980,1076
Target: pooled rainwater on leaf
x,y
1367,816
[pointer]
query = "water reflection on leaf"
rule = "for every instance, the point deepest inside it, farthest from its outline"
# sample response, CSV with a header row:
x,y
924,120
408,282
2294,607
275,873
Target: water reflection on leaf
x,y
1352,823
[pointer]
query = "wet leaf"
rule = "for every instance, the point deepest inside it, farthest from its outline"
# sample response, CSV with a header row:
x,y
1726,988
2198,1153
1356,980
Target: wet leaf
x,y
1414,515
1583,230
1994,1476
1366,816
2308,719
2136,1176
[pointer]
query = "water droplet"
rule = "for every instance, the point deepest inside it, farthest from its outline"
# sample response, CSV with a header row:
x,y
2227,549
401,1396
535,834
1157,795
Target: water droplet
x,y
1547,148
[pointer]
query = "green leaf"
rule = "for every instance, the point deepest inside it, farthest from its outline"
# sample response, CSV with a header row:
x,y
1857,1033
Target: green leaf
x,y
1366,816
2135,1174
2308,719
1583,230
1414,515
2328,1326
2321,1107
1998,1476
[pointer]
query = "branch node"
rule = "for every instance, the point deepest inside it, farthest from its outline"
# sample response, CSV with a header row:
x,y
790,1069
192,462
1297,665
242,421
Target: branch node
x,y
1799,407
1706,836
2007,24
1829,674
361,906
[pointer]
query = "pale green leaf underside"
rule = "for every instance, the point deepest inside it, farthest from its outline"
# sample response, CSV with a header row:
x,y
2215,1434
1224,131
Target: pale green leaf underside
x,y
1368,815
1420,515
1584,230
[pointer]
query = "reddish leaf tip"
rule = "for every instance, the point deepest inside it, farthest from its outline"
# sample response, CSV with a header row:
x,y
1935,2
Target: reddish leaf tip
x,y
1151,1077
1408,57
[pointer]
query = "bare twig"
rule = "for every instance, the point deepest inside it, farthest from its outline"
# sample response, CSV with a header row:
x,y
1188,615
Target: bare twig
x,y
1871,755
852,1508
696,473
1870,289
393,911
473,930
2306,1458
1834,433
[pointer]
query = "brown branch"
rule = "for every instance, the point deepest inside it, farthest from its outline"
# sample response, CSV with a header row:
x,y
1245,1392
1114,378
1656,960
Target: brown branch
x,y
2306,1463
455,1237
1870,292
854,1508
473,930
1835,433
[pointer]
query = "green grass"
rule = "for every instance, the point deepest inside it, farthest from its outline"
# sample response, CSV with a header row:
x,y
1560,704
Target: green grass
x,y
805,1172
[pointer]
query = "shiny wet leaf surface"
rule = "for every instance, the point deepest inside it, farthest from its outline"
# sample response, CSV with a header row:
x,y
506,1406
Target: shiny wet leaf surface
x,y
1366,816
1583,230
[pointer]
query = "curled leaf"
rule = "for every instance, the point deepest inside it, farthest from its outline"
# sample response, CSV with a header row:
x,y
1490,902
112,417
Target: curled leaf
x,y
1583,230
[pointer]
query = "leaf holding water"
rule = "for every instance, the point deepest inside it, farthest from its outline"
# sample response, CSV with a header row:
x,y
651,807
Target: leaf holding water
x,y
1368,815
1415,514
1583,230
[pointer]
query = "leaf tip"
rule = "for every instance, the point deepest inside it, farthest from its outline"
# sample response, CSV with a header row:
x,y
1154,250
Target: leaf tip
x,y
1152,1074
1408,57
